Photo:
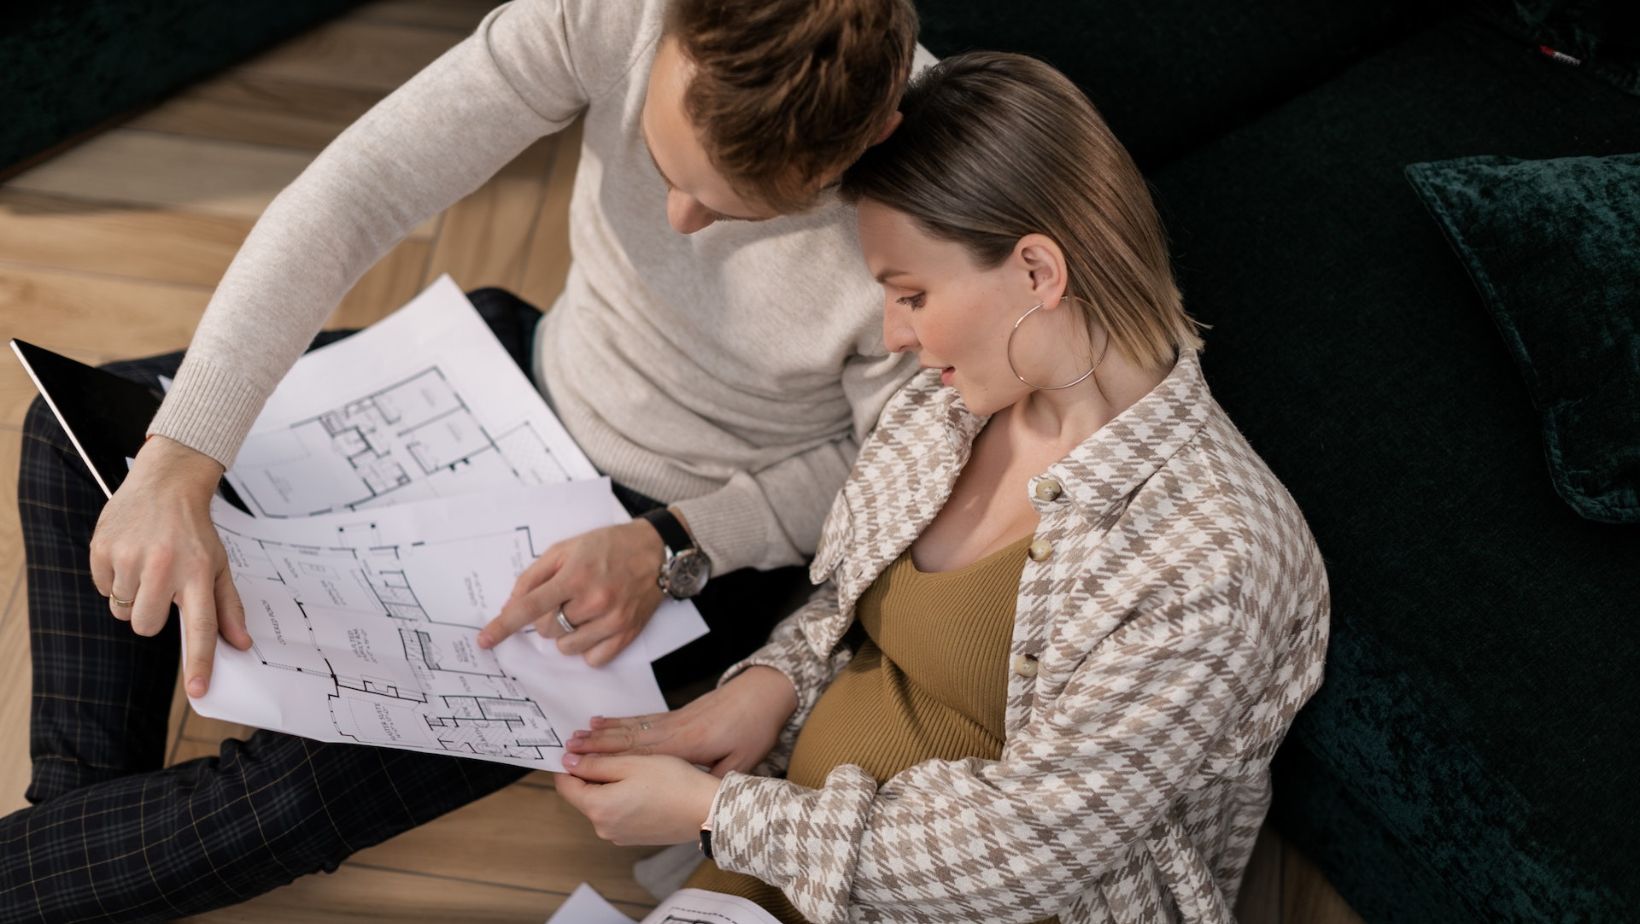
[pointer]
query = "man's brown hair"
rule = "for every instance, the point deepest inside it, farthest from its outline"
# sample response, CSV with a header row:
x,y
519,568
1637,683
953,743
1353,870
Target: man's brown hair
x,y
786,93
997,146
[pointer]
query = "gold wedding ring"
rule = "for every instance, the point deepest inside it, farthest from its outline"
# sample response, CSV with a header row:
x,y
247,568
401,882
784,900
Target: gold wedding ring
x,y
124,604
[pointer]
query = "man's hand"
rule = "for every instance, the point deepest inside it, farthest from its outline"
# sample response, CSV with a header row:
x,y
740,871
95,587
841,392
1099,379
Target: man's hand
x,y
603,581
154,545
730,728
639,800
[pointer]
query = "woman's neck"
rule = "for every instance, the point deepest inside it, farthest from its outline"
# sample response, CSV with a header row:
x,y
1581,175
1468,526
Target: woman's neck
x,y
1065,418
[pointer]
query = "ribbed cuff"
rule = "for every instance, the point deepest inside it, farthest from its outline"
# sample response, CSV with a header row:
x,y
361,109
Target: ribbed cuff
x,y
729,525
209,409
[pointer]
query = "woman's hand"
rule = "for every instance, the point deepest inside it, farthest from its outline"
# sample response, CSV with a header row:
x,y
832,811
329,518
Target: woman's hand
x,y
730,728
633,800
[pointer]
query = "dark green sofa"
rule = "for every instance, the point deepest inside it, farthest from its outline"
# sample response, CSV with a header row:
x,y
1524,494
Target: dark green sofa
x,y
71,67
1472,754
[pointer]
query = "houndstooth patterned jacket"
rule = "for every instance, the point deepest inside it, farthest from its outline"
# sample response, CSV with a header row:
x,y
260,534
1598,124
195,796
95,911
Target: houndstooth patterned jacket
x,y
1172,619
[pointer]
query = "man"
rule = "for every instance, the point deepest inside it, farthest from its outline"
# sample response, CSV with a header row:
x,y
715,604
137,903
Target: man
x,y
717,347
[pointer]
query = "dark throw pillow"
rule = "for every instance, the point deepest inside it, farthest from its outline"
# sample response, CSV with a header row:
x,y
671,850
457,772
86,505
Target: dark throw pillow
x,y
1554,247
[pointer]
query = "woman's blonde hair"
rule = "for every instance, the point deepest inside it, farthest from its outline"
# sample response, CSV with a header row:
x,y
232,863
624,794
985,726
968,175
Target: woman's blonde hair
x,y
996,146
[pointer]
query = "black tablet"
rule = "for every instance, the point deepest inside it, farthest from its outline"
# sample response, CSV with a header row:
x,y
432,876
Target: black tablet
x,y
105,416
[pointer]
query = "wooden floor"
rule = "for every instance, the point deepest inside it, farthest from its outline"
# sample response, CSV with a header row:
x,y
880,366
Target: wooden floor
x,y
111,250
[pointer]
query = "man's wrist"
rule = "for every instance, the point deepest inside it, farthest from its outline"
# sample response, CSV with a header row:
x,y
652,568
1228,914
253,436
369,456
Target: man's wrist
x,y
683,521
174,460
652,538
685,569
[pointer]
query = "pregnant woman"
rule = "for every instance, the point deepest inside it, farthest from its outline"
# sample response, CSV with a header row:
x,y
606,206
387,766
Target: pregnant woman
x,y
1065,613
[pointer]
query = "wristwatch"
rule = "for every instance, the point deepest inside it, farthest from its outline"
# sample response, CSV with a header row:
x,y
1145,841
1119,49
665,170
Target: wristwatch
x,y
706,827
706,840
686,568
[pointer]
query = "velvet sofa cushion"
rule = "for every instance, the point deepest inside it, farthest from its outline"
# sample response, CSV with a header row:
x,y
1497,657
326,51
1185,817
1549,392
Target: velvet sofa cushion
x,y
1477,708
1554,248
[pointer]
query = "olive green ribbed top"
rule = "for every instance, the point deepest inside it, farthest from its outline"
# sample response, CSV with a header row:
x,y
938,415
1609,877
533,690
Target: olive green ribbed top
x,y
929,683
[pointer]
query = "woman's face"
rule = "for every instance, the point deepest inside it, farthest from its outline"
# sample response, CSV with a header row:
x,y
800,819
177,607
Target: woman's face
x,y
955,315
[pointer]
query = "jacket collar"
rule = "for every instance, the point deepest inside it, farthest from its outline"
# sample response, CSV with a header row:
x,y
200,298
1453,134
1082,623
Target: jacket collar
x,y
912,476
1111,464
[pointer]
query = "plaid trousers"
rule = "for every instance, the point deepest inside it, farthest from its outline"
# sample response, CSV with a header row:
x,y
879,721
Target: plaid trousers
x,y
111,834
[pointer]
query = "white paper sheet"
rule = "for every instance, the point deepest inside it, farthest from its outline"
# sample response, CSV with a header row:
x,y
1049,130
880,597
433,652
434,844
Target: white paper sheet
x,y
696,906
586,906
365,627
424,403
686,906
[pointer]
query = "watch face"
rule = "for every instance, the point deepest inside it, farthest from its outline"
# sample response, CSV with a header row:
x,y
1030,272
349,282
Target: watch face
x,y
686,573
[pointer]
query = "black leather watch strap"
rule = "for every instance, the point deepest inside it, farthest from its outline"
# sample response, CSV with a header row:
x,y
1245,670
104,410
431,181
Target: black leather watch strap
x,y
706,843
672,532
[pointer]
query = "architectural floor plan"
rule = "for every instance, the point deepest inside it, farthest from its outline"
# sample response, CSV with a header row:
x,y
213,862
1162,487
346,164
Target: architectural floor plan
x,y
364,608
423,404
365,626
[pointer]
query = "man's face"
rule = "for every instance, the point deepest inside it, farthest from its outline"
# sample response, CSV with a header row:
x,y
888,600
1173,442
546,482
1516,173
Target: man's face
x,y
696,194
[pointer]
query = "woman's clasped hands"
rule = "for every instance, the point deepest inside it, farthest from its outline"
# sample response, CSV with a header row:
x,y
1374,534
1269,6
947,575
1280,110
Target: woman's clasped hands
x,y
637,779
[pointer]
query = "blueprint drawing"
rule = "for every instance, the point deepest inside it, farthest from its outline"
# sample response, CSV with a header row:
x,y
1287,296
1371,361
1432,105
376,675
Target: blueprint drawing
x,y
425,403
365,625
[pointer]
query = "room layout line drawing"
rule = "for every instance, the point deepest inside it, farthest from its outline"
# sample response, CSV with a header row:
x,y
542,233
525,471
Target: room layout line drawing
x,y
408,440
404,677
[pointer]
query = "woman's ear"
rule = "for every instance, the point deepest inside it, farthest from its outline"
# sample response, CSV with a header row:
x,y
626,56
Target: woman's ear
x,y
1044,263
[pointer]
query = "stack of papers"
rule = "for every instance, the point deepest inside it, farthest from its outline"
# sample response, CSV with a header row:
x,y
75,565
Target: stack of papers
x,y
399,481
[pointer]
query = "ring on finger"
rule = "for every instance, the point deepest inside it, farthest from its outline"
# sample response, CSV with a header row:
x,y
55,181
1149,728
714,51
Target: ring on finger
x,y
643,726
564,623
122,604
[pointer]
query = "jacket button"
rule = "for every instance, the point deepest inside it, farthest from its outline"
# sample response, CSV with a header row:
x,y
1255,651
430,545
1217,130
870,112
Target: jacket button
x,y
1048,489
1025,665
1040,550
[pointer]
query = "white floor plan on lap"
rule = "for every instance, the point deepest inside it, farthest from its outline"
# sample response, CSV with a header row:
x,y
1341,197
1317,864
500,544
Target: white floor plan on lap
x,y
399,481
365,628
425,403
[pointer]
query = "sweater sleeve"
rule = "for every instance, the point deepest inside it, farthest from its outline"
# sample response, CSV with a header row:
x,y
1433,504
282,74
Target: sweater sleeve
x,y
1015,839
527,71
772,517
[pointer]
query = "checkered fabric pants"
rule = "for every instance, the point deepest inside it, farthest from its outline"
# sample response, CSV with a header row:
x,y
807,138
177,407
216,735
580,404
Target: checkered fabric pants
x,y
113,835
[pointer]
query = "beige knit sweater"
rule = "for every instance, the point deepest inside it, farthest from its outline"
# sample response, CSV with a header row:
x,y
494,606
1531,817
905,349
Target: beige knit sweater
x,y
733,371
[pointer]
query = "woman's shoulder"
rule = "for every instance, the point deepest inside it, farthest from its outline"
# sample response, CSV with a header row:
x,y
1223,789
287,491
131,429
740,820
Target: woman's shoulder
x,y
1215,520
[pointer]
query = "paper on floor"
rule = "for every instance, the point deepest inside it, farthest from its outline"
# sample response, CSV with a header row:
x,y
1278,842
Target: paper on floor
x,y
687,906
586,906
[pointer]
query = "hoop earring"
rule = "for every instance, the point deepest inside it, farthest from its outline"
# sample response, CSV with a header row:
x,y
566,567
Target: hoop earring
x,y
1009,354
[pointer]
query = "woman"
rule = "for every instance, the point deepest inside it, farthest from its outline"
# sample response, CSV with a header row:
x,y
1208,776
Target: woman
x,y
1066,614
